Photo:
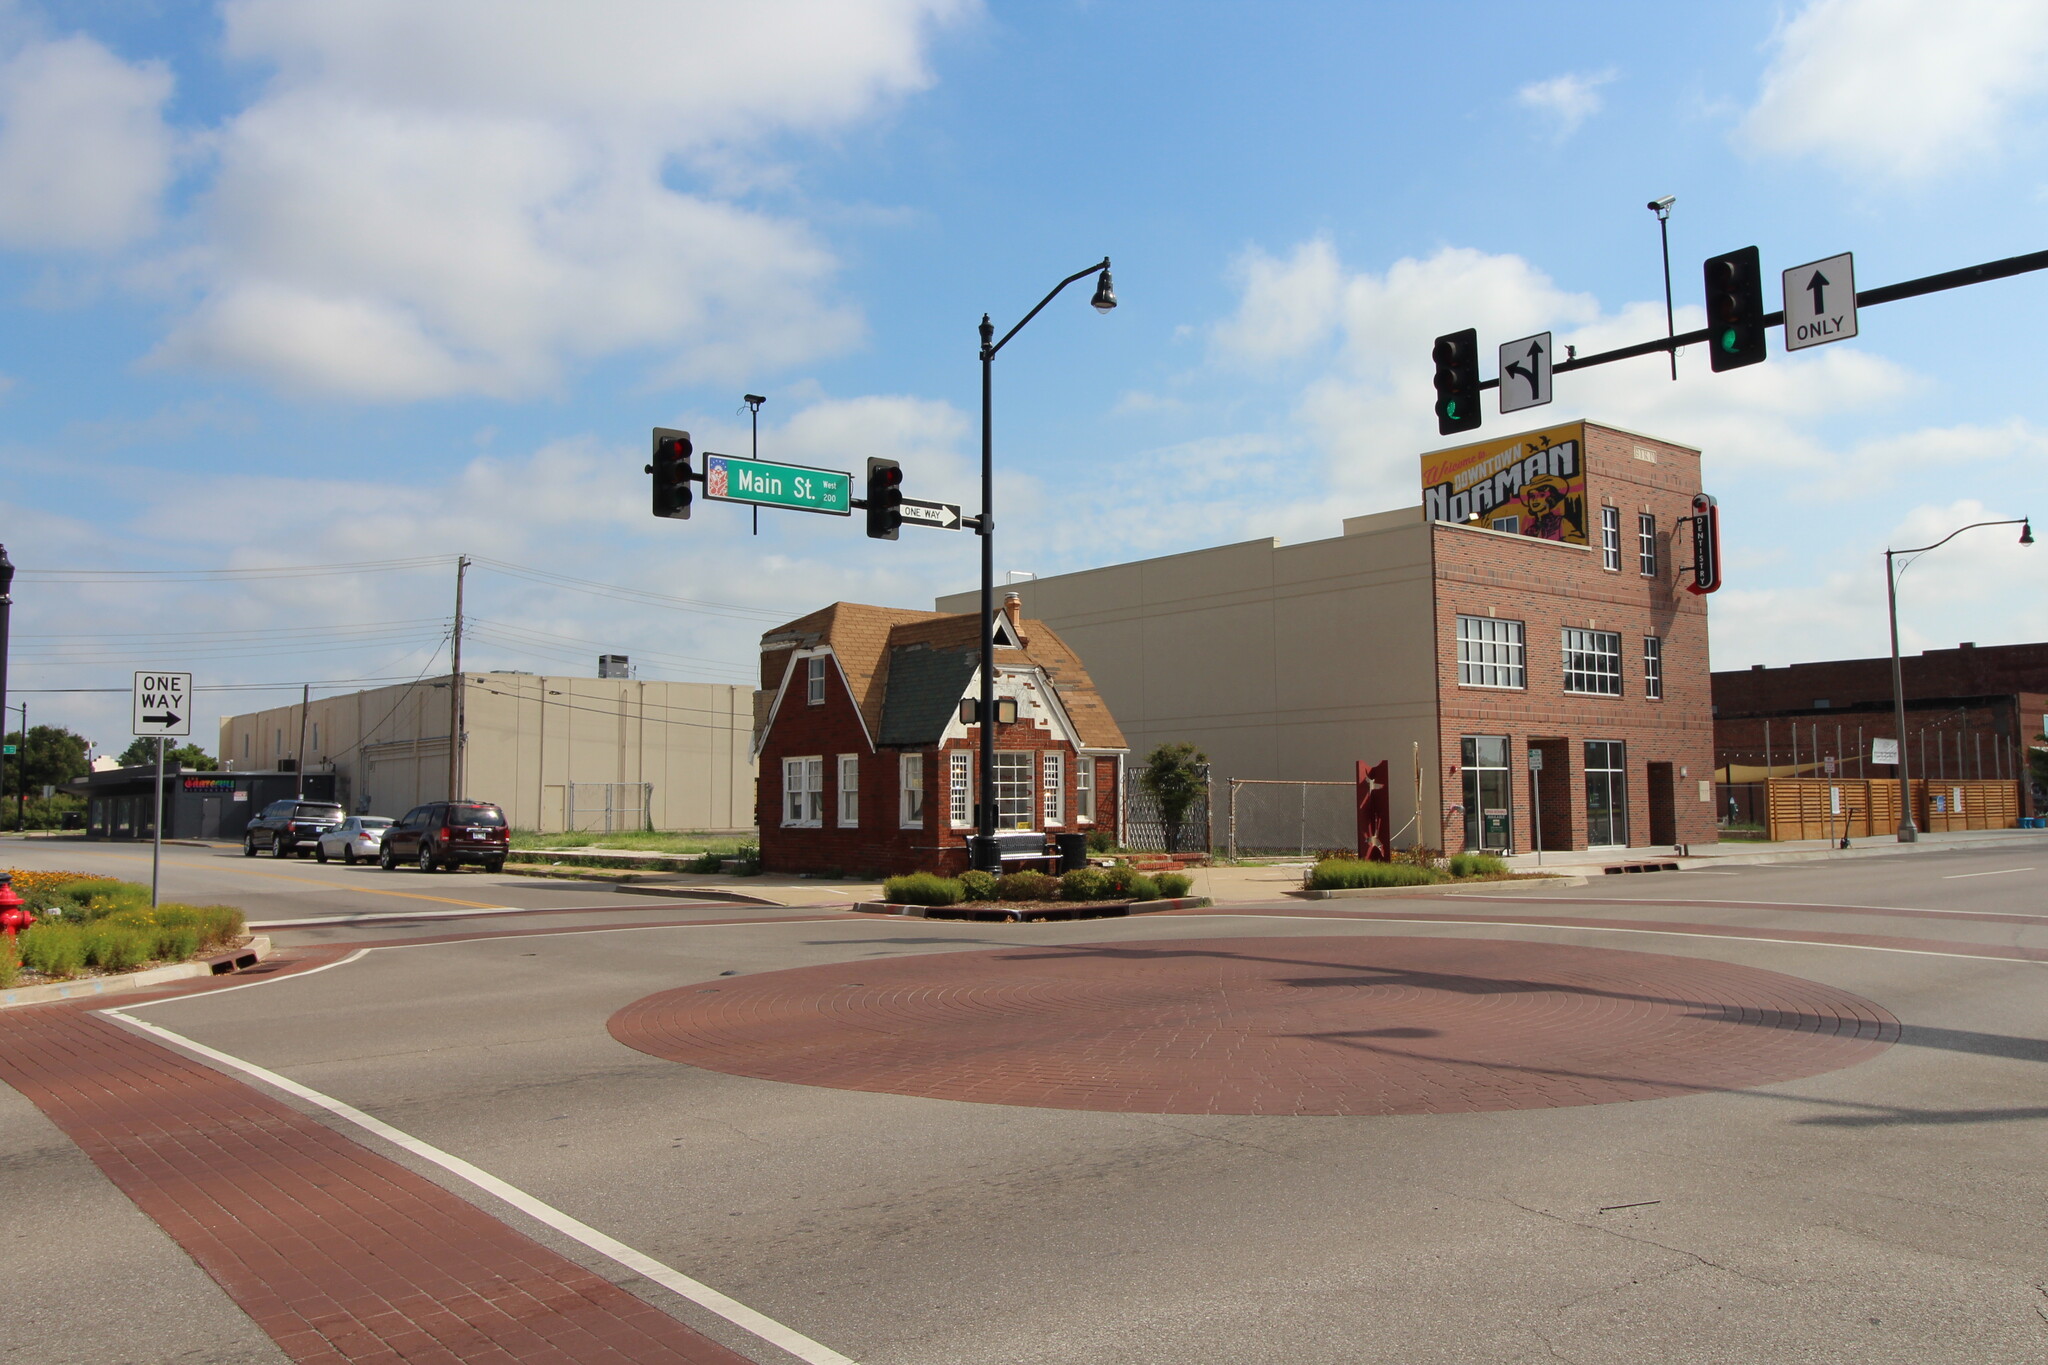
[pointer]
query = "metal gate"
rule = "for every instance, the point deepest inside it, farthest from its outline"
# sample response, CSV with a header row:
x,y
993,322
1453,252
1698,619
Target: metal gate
x,y
610,807
1298,817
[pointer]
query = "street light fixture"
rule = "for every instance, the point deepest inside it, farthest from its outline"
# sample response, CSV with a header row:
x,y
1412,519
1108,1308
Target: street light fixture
x,y
983,853
1662,208
1908,831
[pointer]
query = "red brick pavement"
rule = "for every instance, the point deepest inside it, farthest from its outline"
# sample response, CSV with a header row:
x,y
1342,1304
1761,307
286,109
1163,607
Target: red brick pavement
x,y
1354,1025
340,1254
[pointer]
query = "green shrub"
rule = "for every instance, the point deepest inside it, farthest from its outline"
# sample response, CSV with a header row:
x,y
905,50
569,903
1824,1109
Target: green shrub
x,y
1144,888
1101,841
1416,855
10,963
115,947
921,888
1476,865
56,950
1173,885
706,862
1084,884
1340,874
1026,886
976,885
1121,878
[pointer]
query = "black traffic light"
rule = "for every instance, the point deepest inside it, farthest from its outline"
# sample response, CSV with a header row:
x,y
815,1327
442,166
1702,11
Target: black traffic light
x,y
1735,310
1457,381
1706,545
885,498
672,475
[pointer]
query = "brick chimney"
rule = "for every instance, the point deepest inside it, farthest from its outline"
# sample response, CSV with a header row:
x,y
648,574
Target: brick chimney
x,y
1013,607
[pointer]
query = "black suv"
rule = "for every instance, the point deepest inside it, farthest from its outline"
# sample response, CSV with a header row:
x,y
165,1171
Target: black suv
x,y
448,834
290,827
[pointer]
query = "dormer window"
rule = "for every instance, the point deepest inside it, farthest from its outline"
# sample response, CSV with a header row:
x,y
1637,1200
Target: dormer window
x,y
814,679
1006,634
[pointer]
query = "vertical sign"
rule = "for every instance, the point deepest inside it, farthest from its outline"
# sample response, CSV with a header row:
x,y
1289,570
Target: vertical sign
x,y
163,704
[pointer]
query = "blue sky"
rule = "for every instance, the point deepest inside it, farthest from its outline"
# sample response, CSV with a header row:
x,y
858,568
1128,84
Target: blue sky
x,y
311,284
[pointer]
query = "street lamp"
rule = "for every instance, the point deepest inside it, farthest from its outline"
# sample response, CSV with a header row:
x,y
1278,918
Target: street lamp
x,y
1662,208
1908,832
983,854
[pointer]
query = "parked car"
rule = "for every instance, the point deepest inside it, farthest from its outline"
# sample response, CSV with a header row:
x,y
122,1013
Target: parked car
x,y
448,834
358,837
286,827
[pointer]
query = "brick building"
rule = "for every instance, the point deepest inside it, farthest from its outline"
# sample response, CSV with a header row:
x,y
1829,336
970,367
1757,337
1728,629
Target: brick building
x,y
1970,713
1532,610
867,767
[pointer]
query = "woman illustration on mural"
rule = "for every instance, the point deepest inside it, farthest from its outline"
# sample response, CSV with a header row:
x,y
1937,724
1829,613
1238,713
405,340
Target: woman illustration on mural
x,y
1553,513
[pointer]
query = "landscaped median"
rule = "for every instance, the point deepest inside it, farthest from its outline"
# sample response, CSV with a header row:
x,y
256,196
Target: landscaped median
x,y
91,934
1084,893
1336,878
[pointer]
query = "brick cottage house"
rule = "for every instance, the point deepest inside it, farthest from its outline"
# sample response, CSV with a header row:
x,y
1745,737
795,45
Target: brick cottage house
x,y
867,767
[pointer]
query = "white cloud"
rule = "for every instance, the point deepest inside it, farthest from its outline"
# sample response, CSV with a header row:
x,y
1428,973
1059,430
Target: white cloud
x,y
1567,100
1900,87
472,197
84,153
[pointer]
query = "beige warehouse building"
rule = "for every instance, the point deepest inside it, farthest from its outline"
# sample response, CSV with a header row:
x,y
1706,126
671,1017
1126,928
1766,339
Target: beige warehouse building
x,y
555,752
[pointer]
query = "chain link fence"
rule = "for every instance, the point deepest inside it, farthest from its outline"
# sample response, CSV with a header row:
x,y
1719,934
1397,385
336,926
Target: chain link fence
x,y
610,807
1266,816
1145,832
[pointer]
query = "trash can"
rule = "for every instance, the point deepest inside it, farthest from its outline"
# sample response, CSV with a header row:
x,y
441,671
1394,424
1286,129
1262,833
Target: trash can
x,y
1073,851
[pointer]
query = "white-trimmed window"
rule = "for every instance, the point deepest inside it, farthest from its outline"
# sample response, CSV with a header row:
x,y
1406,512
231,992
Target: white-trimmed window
x,y
803,792
814,680
1052,781
1490,652
849,791
1084,789
1610,538
1653,668
910,791
1646,544
960,789
1013,789
1511,524
1592,662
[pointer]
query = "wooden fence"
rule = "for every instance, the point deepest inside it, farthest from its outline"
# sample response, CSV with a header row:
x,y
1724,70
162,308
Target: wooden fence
x,y
1832,808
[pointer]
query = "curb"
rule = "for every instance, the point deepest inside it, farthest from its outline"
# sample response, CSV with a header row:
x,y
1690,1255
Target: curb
x,y
221,964
1436,889
700,893
1020,915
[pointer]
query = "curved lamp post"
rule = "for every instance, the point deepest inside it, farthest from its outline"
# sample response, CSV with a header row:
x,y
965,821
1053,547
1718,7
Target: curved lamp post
x,y
1908,831
983,855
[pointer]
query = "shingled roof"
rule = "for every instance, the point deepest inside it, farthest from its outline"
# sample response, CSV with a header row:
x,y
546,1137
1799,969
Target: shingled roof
x,y
937,653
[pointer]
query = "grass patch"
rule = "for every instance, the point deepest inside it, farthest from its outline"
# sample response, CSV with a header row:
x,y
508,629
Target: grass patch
x,y
108,925
922,888
641,841
1345,874
1477,865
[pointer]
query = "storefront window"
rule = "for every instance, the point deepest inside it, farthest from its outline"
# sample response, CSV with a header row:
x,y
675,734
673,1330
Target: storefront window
x,y
1606,794
1485,764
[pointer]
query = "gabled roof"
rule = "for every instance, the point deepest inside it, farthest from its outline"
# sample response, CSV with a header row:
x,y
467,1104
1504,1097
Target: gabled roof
x,y
907,670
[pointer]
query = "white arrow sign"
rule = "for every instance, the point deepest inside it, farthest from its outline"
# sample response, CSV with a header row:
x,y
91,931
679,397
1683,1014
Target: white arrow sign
x,y
1525,373
944,515
1820,302
163,704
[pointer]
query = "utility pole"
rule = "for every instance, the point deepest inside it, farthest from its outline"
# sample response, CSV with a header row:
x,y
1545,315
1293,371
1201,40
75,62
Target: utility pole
x,y
305,705
21,776
455,690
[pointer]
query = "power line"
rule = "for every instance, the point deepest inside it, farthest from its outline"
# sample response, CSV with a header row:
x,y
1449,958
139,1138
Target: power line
x,y
632,594
189,575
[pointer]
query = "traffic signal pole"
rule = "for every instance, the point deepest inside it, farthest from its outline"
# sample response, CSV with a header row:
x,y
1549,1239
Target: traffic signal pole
x,y
1865,298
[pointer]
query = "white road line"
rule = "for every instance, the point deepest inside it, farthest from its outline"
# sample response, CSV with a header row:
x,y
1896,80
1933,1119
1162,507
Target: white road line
x,y
315,921
1766,905
2002,872
697,1292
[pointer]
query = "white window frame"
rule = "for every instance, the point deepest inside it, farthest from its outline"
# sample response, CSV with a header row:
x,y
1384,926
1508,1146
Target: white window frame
x,y
848,792
1084,789
814,680
959,788
1018,779
803,792
1052,786
1492,653
910,791
1653,667
1597,654
1610,538
1646,544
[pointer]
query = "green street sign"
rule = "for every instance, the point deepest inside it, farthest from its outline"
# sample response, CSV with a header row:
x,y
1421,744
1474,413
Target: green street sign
x,y
8,750
764,483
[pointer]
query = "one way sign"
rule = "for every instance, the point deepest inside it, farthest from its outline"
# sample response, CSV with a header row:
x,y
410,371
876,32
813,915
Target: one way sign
x,y
163,704
1525,373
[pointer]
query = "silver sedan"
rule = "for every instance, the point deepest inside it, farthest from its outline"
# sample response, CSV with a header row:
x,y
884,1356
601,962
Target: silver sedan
x,y
356,839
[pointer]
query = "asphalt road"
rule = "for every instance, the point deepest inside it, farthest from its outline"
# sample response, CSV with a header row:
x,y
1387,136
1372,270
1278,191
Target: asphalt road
x,y
1888,1211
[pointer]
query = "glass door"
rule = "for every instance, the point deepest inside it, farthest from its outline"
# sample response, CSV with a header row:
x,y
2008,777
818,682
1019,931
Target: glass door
x,y
1485,762
1606,795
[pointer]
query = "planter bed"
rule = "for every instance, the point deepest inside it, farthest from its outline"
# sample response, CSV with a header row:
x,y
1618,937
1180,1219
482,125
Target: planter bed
x,y
1016,912
34,989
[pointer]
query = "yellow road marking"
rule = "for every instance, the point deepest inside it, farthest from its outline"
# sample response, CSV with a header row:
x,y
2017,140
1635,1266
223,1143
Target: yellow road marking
x,y
305,881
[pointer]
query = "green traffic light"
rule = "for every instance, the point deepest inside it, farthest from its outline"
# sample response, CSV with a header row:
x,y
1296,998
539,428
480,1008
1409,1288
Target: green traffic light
x,y
1451,409
1729,340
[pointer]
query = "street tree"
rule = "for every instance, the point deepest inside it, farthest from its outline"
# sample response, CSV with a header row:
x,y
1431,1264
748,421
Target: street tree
x,y
1176,775
143,751
50,756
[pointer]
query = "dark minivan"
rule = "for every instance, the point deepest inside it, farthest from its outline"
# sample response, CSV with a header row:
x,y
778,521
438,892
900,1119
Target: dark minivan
x,y
290,827
448,834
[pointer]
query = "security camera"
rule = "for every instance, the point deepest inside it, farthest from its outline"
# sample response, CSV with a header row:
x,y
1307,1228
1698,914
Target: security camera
x,y
753,398
1662,205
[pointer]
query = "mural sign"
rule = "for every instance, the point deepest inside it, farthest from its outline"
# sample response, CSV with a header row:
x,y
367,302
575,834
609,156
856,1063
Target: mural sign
x,y
1533,484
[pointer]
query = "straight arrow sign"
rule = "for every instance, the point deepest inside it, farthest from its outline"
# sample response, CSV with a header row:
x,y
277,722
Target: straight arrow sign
x,y
1820,302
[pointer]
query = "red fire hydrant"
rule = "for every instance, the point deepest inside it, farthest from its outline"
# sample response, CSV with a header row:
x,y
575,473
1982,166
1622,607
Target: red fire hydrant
x,y
13,915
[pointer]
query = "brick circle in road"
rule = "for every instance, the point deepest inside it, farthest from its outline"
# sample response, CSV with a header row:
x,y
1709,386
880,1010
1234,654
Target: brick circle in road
x,y
1351,1025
